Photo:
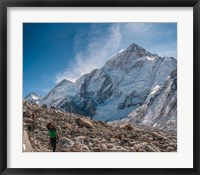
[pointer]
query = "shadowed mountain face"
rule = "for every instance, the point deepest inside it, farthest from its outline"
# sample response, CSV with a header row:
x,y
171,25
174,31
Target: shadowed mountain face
x,y
134,85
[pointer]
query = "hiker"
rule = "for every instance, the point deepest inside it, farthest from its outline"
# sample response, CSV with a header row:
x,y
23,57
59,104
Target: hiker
x,y
30,128
53,135
33,116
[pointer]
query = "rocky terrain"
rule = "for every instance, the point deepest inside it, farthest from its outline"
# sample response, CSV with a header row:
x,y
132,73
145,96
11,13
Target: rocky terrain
x,y
82,134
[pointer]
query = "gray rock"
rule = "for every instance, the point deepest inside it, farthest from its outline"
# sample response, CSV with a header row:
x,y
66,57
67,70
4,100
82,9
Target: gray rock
x,y
65,141
85,122
27,147
109,146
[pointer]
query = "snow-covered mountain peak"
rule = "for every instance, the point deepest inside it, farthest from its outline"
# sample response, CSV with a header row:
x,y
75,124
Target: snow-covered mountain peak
x,y
130,56
61,90
33,98
32,95
134,47
137,50
127,81
64,82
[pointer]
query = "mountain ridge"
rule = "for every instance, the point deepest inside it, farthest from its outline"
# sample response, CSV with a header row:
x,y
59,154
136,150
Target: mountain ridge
x,y
117,89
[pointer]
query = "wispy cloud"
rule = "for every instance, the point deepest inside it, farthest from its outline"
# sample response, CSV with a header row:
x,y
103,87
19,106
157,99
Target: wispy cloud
x,y
103,42
98,50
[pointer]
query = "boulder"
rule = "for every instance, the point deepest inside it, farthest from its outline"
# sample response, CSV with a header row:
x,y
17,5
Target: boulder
x,y
65,141
127,127
103,147
28,120
109,146
145,147
159,136
122,137
85,122
169,149
101,123
84,148
132,149
27,147
97,149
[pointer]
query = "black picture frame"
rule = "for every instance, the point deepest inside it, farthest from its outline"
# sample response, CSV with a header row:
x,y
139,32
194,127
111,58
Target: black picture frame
x,y
195,4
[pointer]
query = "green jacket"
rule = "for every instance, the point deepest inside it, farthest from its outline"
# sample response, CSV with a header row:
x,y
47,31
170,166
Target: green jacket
x,y
52,133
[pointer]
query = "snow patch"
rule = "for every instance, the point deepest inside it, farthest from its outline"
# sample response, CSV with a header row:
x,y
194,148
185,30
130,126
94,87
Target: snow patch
x,y
155,89
150,58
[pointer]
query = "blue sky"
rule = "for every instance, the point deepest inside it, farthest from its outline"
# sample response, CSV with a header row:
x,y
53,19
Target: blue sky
x,y
56,51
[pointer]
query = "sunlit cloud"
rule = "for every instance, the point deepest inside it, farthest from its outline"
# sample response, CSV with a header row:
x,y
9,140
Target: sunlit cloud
x,y
97,52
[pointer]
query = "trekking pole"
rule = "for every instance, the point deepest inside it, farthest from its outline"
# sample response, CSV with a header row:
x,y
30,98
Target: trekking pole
x,y
70,110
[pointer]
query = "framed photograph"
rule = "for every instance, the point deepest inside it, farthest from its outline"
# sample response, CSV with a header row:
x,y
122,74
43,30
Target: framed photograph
x,y
99,87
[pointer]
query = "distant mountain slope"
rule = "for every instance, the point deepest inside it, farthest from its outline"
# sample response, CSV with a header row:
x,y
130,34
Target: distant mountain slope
x,y
33,98
123,85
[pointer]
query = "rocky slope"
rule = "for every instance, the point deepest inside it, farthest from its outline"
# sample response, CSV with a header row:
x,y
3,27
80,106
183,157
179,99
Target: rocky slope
x,y
82,134
131,81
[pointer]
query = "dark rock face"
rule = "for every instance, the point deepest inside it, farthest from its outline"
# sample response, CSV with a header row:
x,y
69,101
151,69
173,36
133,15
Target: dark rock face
x,y
105,91
82,134
86,107
83,91
133,99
